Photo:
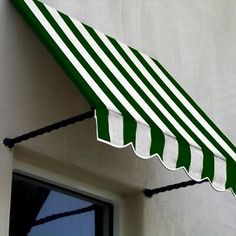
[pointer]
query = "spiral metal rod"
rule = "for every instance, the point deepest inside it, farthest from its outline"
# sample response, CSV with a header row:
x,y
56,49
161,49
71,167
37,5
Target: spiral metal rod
x,y
10,142
151,192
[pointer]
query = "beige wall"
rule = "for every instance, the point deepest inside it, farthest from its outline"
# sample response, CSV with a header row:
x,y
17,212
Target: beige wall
x,y
194,40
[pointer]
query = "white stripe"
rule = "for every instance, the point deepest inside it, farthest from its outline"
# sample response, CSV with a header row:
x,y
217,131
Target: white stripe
x,y
143,140
70,56
171,150
116,128
122,79
93,64
196,165
188,105
156,86
220,176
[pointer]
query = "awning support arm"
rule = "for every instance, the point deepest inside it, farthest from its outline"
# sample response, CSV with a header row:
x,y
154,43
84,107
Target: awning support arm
x,y
10,142
151,192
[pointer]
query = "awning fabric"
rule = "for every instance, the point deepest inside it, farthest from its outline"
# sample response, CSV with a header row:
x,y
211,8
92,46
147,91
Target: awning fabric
x,y
137,102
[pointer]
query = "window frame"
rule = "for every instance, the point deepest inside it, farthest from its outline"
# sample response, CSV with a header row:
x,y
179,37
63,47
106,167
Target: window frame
x,y
102,221
74,186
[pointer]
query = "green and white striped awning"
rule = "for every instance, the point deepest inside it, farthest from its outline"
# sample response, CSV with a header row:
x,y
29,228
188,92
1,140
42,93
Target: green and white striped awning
x,y
137,102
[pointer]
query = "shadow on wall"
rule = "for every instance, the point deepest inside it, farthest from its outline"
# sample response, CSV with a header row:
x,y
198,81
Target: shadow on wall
x,y
62,168
32,83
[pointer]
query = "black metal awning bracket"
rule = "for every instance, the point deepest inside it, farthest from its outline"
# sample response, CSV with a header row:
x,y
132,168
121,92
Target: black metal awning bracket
x,y
10,142
151,192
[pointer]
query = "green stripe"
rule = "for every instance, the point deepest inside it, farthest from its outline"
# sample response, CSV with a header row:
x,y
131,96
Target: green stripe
x,y
184,153
231,175
208,164
158,142
102,124
130,126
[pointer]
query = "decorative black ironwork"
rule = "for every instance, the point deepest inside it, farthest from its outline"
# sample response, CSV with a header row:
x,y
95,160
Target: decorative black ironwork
x,y
10,142
151,192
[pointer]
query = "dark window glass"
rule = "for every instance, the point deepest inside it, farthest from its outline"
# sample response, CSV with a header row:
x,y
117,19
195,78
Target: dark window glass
x,y
41,209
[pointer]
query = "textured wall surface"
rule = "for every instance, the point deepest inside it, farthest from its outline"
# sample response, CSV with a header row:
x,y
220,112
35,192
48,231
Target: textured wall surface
x,y
194,40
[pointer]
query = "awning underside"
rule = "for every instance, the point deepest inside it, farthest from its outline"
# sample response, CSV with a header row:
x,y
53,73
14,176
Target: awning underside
x,y
137,102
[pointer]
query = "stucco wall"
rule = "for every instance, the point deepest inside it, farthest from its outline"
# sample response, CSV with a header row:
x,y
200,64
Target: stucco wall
x,y
194,40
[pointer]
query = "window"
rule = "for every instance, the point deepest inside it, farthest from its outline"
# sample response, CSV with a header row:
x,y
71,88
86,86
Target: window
x,y
40,209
